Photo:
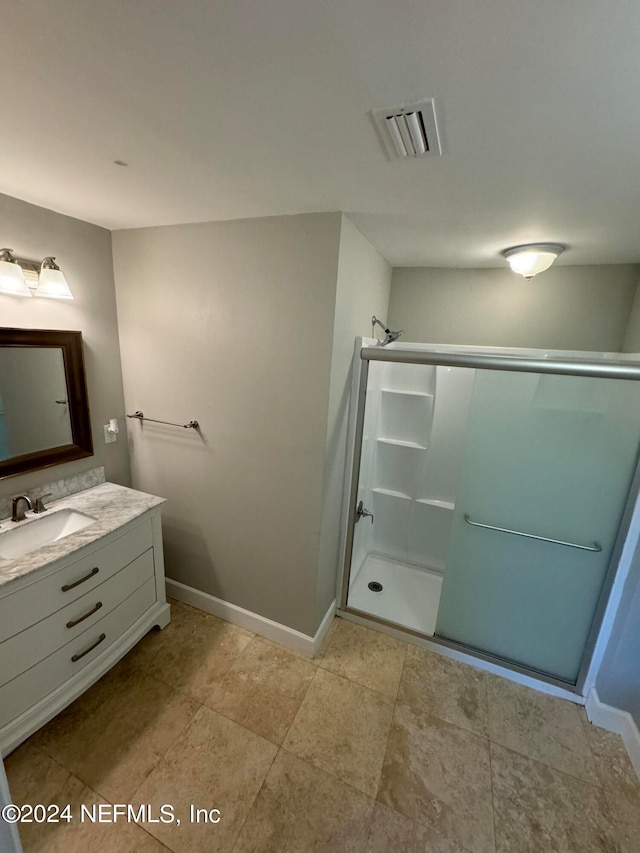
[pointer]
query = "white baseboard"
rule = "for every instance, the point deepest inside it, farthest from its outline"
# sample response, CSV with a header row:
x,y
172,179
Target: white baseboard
x,y
614,720
295,640
323,630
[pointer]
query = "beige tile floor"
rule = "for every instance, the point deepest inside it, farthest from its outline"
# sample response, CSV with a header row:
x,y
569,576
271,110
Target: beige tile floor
x,y
375,746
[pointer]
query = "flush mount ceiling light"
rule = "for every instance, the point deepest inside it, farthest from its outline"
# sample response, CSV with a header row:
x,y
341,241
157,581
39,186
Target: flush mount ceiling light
x,y
19,277
533,258
11,276
51,281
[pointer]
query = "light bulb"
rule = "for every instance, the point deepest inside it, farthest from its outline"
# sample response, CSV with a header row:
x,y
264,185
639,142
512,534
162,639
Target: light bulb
x,y
532,259
11,277
51,281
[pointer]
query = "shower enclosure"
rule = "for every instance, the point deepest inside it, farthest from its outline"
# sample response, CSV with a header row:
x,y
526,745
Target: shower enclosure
x,y
488,497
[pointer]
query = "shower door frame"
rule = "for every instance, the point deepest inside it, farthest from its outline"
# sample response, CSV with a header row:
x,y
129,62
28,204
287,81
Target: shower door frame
x,y
605,369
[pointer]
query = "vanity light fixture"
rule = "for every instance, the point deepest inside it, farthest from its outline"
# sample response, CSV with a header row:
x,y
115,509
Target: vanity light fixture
x,y
11,276
533,258
19,277
51,281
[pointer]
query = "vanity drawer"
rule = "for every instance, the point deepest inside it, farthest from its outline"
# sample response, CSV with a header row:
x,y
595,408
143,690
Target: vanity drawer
x,y
25,649
39,599
33,685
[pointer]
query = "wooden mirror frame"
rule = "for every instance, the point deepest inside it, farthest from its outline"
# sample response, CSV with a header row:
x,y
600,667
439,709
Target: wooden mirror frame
x,y
73,355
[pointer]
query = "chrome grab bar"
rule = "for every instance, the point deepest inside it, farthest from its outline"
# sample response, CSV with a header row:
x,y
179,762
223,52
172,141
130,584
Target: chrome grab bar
x,y
595,547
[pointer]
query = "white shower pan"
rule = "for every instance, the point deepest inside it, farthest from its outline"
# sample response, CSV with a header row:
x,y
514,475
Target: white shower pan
x,y
409,598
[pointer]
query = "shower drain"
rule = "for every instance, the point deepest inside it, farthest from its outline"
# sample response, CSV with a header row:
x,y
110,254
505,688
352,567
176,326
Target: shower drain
x,y
374,586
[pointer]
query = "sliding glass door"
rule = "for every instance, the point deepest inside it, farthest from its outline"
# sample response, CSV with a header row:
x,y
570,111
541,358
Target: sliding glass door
x,y
547,468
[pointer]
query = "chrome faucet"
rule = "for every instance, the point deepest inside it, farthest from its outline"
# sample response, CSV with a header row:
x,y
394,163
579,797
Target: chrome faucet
x,y
17,513
363,512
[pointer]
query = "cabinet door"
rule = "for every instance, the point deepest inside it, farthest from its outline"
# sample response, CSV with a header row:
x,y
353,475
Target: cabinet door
x,y
549,456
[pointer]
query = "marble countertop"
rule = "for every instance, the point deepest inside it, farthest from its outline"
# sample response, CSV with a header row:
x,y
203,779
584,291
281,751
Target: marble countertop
x,y
112,506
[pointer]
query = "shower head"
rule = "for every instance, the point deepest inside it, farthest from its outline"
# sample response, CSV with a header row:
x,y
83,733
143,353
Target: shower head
x,y
390,336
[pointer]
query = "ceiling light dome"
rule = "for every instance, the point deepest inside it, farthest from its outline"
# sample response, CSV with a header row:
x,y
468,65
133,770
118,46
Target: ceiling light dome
x,y
533,258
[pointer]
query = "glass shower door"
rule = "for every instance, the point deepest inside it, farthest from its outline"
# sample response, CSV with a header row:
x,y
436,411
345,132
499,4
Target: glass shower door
x,y
547,468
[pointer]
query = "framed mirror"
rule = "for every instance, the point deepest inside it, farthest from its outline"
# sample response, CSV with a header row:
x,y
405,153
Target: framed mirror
x,y
44,408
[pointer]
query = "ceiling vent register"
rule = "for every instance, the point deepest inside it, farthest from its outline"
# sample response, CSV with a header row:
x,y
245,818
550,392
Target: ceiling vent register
x,y
409,131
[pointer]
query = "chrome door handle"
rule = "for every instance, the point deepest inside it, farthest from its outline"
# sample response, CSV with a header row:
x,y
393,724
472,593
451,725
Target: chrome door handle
x,y
597,547
363,512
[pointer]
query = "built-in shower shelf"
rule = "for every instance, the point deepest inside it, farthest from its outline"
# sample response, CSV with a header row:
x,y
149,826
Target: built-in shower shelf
x,y
390,493
433,502
399,443
406,417
406,393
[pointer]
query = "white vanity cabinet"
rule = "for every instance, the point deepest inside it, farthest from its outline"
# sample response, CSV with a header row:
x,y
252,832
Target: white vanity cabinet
x,y
63,625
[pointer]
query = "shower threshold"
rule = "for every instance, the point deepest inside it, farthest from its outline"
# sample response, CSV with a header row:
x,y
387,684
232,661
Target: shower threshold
x,y
409,598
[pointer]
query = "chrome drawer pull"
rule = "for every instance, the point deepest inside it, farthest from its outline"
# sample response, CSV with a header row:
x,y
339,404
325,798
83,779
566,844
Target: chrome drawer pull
x,y
90,649
597,547
93,610
69,586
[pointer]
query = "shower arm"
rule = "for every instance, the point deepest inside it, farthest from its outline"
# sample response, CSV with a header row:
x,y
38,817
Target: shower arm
x,y
375,322
390,335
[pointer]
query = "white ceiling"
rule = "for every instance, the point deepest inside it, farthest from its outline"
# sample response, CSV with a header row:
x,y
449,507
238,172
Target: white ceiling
x,y
231,108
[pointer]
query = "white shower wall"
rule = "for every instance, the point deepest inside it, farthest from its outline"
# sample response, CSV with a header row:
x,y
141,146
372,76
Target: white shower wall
x,y
414,433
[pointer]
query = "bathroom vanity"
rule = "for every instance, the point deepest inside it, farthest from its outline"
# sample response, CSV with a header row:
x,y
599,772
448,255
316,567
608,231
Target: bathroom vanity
x,y
80,584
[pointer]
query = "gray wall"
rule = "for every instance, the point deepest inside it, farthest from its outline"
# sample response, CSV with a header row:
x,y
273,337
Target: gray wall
x,y
364,281
231,323
618,681
631,342
84,254
584,308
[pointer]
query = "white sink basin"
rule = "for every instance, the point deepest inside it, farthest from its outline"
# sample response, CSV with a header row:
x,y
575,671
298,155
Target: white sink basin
x,y
37,532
